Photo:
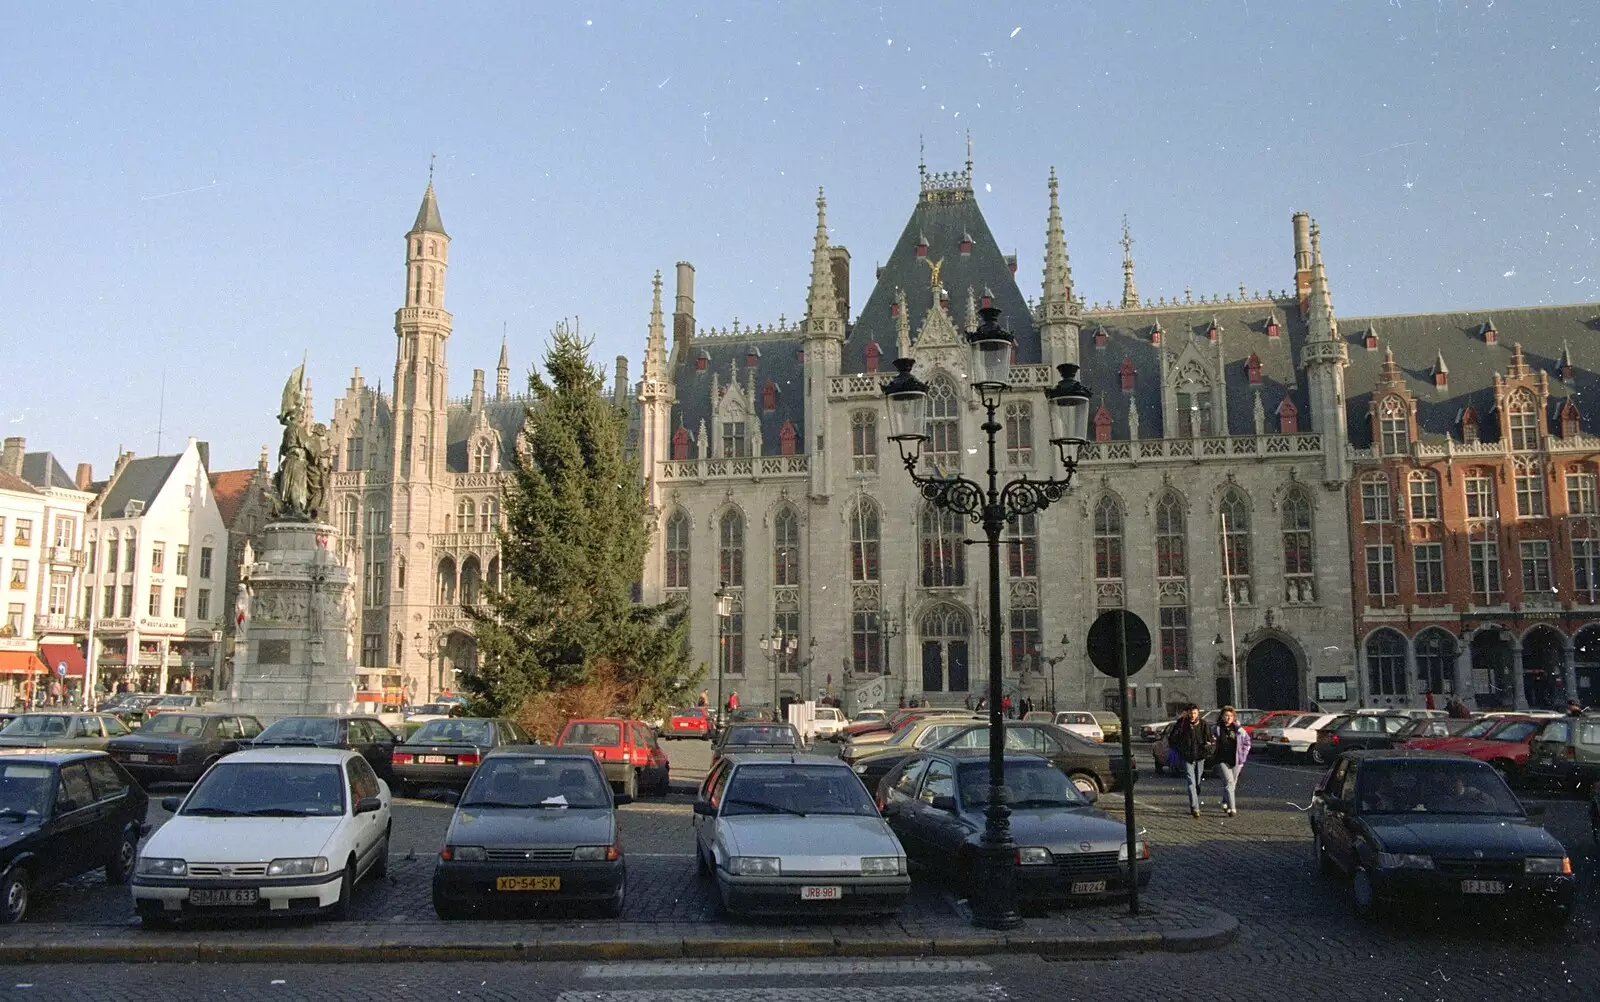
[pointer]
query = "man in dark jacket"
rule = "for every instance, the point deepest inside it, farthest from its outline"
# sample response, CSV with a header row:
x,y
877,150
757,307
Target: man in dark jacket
x,y
1190,739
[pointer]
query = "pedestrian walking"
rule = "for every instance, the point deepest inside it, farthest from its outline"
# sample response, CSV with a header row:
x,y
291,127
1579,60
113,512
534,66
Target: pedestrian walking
x,y
1232,748
1190,741
1428,700
1460,711
1005,704
705,699
733,700
1574,708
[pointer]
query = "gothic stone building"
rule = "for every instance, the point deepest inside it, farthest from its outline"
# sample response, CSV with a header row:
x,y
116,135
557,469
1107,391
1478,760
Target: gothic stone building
x,y
1211,502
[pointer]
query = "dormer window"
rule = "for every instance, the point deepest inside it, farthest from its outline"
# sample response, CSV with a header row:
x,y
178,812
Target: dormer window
x,y
1490,335
787,437
1194,411
1155,333
1100,337
1569,420
987,300
1252,368
1394,426
1370,339
752,356
1288,417
1213,332
700,362
874,353
1273,330
922,247
769,396
681,443
733,442
966,244
1102,424
1125,371
1469,426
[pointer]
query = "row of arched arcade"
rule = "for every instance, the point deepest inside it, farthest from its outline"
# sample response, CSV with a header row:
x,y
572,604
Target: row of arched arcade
x,y
1488,665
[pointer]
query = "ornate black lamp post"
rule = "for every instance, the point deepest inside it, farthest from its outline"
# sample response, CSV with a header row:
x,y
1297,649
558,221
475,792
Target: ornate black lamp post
x,y
995,901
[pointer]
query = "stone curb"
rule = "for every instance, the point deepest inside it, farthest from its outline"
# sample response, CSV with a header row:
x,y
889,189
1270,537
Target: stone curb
x,y
388,947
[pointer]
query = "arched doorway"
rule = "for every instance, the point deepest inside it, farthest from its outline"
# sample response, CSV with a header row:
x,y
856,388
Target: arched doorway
x,y
1586,652
1491,668
1543,668
1272,676
458,657
945,633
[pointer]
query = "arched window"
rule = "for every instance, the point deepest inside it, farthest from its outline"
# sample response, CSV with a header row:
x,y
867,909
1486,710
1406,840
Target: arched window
x,y
1522,420
481,456
400,573
866,531
678,550
1436,661
943,451
1394,426
471,580
349,517
445,591
1193,400
1108,539
1022,546
1298,568
466,515
786,548
944,558
864,441
1171,549
1019,433
1235,525
1424,490
1386,664
487,515
730,549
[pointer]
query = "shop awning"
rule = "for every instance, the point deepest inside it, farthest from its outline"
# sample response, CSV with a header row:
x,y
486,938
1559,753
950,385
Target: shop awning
x,y
54,655
21,663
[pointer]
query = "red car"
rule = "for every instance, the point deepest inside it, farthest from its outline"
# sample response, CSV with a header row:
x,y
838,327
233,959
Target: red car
x,y
689,722
1476,731
1272,718
1505,747
629,754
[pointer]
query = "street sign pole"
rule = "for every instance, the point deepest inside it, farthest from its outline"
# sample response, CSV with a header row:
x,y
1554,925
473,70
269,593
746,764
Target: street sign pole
x,y
1119,645
1127,771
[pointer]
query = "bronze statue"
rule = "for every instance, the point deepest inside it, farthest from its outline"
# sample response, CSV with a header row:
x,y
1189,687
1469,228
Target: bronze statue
x,y
304,457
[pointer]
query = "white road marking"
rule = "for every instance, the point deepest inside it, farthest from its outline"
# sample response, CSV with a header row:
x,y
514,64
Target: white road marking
x,y
990,992
784,968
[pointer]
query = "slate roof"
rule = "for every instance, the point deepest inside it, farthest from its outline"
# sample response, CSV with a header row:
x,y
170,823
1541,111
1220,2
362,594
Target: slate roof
x,y
231,488
12,482
141,480
428,220
944,223
778,360
1419,339
506,416
42,470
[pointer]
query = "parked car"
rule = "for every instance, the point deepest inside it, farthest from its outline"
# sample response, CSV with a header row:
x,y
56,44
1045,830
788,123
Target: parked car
x,y
827,722
1564,754
1271,718
1438,742
873,715
61,730
1038,717
179,747
920,733
368,736
1092,766
796,836
1432,727
535,824
689,722
1357,731
750,739
435,711
1110,724
1438,829
6,716
1081,723
1066,850
627,750
175,701
445,752
1505,747
274,830
64,813
129,707
1298,737
899,722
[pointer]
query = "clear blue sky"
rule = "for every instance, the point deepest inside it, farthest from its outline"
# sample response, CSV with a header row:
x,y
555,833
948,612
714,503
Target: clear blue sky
x,y
211,189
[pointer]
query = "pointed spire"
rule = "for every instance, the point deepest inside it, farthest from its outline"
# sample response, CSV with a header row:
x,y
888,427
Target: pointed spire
x,y
428,220
1057,268
1322,326
502,369
822,306
902,324
972,309
1130,292
1438,363
655,350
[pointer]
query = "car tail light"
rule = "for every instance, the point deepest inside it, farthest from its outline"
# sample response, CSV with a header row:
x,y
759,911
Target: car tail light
x,y
1572,752
1333,739
401,758
469,759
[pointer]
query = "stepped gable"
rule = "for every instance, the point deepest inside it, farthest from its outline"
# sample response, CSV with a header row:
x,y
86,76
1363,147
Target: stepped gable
x,y
1127,335
946,215
1420,339
778,359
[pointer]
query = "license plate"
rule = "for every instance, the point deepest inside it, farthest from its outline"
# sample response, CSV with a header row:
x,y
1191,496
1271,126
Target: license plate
x,y
812,892
138,758
527,883
1483,887
1089,887
433,759
225,897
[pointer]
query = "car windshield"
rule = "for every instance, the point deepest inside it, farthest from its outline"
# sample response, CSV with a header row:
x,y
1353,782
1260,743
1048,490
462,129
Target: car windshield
x,y
786,788
470,732
689,711
1433,787
1479,729
24,790
181,724
434,709
1517,730
1304,720
268,789
592,734
1247,716
1029,784
523,782
773,734
37,725
1424,728
318,729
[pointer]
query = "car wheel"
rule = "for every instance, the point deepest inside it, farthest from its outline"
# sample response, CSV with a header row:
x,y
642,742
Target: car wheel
x,y
448,910
14,895
347,889
1368,905
1317,757
380,866
700,865
630,786
612,908
153,916
666,782
119,867
1086,783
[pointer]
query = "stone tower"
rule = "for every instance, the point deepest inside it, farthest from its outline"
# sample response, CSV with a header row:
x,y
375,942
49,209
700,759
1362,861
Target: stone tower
x,y
1324,357
1058,311
824,340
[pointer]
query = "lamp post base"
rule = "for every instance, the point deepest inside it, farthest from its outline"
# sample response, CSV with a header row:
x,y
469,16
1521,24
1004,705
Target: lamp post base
x,y
994,892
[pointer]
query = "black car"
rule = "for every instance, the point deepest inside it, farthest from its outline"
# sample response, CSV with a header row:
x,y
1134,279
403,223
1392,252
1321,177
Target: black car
x,y
1358,731
1066,849
61,729
367,735
1434,827
444,753
179,747
751,738
1091,765
62,814
535,824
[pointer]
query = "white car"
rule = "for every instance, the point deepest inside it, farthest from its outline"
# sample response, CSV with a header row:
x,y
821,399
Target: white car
x,y
1297,737
826,721
1082,723
275,830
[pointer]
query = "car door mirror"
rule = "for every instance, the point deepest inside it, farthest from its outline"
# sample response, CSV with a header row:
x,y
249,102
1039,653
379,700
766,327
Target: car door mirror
x,y
704,809
944,804
366,805
1334,803
890,808
1090,795
171,804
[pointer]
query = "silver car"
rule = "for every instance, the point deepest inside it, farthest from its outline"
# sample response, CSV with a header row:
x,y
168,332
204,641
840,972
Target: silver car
x,y
796,835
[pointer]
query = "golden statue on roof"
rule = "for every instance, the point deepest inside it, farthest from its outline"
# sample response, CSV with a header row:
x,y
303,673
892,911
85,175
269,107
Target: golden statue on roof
x,y
934,268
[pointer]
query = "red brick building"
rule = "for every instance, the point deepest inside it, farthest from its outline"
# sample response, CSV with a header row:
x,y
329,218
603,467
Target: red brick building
x,y
1475,527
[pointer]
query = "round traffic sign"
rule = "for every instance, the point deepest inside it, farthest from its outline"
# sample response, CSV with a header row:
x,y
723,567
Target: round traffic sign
x,y
61,669
1117,638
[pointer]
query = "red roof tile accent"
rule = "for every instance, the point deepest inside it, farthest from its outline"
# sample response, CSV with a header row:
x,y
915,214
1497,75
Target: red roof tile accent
x,y
231,488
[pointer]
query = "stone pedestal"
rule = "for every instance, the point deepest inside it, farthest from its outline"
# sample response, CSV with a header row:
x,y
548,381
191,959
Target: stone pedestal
x,y
293,654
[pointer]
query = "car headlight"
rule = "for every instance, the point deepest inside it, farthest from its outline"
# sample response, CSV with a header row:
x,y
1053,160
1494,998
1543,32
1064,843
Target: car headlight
x,y
1404,861
1034,855
157,867
1141,847
756,866
860,768
463,853
596,853
882,866
297,866
1547,864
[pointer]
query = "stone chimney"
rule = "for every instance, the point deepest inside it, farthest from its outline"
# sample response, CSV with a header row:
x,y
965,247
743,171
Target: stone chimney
x,y
84,477
204,449
1302,260
683,306
477,390
620,393
11,459
123,458
839,265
